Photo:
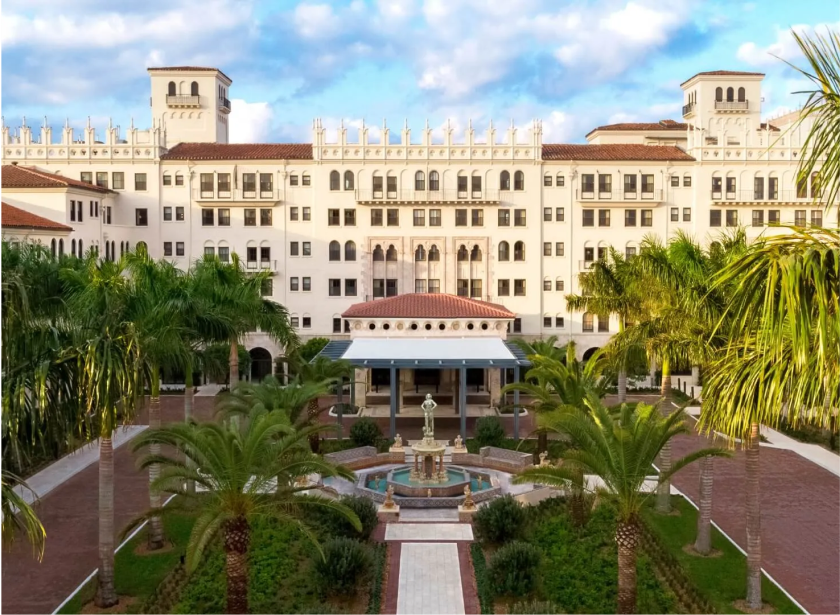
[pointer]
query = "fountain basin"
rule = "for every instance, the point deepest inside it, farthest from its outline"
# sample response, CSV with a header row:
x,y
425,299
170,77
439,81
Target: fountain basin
x,y
453,486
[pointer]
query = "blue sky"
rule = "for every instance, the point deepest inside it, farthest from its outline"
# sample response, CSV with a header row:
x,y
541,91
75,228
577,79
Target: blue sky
x,y
573,64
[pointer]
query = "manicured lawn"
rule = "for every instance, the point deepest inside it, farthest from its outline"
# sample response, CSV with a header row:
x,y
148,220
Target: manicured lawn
x,y
139,575
721,579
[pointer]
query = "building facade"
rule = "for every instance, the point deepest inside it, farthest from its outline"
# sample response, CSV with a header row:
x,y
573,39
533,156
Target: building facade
x,y
499,216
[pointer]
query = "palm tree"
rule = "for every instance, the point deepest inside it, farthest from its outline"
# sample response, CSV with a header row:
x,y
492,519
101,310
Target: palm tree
x,y
236,470
107,353
619,450
610,287
19,516
546,348
270,395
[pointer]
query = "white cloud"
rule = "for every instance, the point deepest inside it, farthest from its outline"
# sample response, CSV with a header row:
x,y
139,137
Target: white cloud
x,y
249,122
316,21
784,47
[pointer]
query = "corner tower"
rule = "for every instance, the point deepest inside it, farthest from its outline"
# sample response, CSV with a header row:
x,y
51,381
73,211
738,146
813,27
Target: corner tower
x,y
190,104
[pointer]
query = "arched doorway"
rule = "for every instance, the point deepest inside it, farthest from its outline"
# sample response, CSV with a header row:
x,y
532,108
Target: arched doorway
x,y
588,354
260,364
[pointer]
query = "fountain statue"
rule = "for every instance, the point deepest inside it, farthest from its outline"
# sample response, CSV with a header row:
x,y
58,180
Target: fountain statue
x,y
428,453
459,443
398,443
389,497
428,407
544,459
469,504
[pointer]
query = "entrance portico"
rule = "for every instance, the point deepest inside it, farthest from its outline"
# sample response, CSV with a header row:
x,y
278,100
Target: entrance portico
x,y
452,347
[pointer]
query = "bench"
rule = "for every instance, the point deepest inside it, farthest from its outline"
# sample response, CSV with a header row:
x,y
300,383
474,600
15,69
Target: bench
x,y
505,459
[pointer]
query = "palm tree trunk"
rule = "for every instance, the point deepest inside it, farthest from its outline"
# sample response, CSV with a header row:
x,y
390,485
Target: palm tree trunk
x,y
233,379
703,544
314,439
106,594
627,537
189,394
237,534
753,520
622,385
155,533
663,492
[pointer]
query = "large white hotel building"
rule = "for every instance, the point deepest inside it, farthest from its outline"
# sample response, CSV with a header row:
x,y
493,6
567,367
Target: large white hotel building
x,y
500,216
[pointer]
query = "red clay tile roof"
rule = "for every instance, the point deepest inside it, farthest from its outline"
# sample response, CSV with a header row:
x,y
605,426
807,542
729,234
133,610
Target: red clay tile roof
x,y
185,68
240,151
427,305
18,176
724,73
613,151
766,126
660,125
15,217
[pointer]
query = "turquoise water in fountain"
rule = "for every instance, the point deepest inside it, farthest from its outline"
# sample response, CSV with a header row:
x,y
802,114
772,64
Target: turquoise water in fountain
x,y
402,476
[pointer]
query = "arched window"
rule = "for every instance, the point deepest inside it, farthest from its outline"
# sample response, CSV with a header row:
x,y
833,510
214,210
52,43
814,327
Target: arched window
x,y
81,249
73,247
816,190
730,94
504,251
194,88
349,183
475,254
61,247
378,253
335,251
141,245
519,180
434,181
420,254
350,251
127,246
335,180
718,94
391,254
547,180
434,253
462,253
171,89
114,250
107,251
122,248
519,251
504,181
588,322
420,181
742,95
305,180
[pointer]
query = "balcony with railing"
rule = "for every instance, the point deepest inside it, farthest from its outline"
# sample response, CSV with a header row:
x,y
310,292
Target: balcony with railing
x,y
619,196
688,110
224,105
760,196
263,263
182,101
428,196
732,105
237,194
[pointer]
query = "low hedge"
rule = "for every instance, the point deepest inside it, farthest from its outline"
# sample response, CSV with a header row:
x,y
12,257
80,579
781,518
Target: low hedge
x,y
484,586
380,564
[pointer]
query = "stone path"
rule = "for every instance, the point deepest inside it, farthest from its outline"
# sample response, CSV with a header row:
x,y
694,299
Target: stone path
x,y
428,531
430,579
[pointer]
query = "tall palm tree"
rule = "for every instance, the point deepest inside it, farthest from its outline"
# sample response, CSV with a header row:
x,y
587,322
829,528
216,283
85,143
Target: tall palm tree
x,y
270,395
235,470
545,347
611,287
107,353
18,515
619,450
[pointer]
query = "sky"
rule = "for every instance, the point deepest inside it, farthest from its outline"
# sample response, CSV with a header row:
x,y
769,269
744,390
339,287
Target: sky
x,y
574,64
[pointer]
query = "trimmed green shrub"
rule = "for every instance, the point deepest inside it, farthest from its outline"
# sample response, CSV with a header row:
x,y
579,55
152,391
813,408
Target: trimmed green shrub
x,y
380,556
534,607
489,431
502,520
365,509
513,569
346,564
482,581
365,432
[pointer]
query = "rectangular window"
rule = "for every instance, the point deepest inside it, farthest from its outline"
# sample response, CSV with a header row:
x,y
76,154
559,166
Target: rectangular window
x,y
333,217
419,217
686,214
604,184
758,217
802,189
267,287
224,217
306,285
547,286
102,179
223,183
758,188
629,217
588,217
630,185
731,217
434,217
179,179
118,180
209,251
307,248
519,288
378,287
307,214
730,187
266,217
377,186
773,188
647,184
559,322
224,254
547,211
587,183
560,214
561,181
462,188
294,284
477,217
108,215
629,252
336,325
517,325
167,214
504,288
773,216
603,324
504,217
167,248
350,287
293,214
675,214
714,217
250,217
251,256
588,322
87,177
419,286
547,321
687,181
179,213
265,256
547,180
518,217
603,217
376,217
139,181
559,248
305,179
335,287
349,217
434,286
460,217
266,185
141,217
546,248
390,287
249,185
293,179
294,248
475,185
462,287
675,181
179,248
206,184
816,217
647,217
392,186
393,217
306,320
559,285
295,321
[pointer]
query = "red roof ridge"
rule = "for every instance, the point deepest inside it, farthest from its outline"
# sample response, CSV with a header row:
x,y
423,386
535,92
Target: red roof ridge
x,y
239,151
427,305
20,176
613,151
15,217
189,68
667,124
723,73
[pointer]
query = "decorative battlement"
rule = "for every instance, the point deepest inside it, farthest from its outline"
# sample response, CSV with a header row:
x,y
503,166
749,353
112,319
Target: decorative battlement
x,y
364,148
22,145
